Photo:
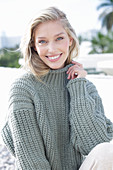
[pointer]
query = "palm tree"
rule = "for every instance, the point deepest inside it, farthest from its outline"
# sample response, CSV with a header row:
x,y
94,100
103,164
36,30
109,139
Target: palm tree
x,y
98,43
107,15
101,43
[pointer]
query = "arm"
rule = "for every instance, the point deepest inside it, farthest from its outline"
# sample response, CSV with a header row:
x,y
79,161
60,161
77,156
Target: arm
x,y
89,126
28,142
7,138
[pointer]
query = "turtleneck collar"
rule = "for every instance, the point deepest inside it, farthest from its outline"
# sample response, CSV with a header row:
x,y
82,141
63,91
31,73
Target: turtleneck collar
x,y
57,78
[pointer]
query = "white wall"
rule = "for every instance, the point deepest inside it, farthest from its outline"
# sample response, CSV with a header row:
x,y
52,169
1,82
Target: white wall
x,y
91,60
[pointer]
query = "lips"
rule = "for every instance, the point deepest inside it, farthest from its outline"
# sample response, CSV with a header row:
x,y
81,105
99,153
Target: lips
x,y
54,57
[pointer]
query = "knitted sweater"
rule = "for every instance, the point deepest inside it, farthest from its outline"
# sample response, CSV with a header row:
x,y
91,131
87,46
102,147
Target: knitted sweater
x,y
53,123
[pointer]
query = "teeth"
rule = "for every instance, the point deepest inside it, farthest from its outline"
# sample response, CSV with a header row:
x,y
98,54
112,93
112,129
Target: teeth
x,y
52,58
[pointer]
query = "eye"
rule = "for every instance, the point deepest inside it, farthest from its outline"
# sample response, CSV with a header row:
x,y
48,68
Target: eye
x,y
42,42
60,38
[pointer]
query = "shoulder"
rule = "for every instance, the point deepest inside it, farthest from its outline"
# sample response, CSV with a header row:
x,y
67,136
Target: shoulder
x,y
27,78
24,83
91,88
22,92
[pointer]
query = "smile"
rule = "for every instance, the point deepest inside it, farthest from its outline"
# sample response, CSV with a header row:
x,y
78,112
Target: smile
x,y
54,58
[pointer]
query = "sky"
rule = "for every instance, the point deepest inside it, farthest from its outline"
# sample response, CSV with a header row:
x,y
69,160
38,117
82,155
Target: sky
x,y
15,14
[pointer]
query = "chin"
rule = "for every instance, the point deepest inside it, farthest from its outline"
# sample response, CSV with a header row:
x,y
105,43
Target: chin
x,y
56,67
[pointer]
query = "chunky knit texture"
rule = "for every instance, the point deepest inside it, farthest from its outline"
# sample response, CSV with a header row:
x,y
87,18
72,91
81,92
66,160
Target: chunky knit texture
x,y
53,123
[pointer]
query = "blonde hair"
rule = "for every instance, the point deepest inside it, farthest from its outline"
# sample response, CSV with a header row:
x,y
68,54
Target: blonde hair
x,y
32,59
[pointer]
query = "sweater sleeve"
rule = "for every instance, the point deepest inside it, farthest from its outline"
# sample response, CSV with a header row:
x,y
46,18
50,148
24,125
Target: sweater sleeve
x,y
28,142
89,126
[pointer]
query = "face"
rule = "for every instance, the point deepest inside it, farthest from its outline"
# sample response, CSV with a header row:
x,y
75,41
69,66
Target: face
x,y
52,44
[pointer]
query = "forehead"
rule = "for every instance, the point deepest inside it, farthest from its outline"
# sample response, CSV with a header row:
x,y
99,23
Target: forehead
x,y
49,28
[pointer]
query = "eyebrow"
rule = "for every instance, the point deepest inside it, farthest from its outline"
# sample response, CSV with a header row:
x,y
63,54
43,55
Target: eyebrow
x,y
55,35
59,34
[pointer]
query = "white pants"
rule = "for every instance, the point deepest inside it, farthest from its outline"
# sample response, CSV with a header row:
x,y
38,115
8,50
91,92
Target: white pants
x,y
100,158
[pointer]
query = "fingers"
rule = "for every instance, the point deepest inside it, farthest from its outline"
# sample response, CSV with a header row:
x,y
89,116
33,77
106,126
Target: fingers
x,y
71,72
76,71
79,73
76,63
82,74
72,68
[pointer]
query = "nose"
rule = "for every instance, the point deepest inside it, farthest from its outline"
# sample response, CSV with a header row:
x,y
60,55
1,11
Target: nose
x,y
51,47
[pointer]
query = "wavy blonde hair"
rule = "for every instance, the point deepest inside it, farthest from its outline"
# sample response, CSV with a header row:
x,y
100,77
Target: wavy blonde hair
x,y
32,59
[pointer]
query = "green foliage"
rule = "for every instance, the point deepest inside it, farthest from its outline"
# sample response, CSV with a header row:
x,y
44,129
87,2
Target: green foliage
x,y
80,38
107,14
101,43
9,58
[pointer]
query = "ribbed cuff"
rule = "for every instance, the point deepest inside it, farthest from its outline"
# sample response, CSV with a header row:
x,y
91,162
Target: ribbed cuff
x,y
76,87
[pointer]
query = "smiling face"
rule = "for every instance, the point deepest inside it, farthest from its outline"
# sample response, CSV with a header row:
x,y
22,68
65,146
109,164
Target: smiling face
x,y
52,44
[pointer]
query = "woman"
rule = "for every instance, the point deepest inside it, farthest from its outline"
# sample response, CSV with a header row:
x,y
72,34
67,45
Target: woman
x,y
56,115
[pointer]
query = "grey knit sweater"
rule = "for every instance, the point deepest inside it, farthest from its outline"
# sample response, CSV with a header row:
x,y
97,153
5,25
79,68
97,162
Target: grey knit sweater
x,y
53,124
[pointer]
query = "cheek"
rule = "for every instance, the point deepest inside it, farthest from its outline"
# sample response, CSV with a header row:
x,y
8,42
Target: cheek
x,y
40,51
65,46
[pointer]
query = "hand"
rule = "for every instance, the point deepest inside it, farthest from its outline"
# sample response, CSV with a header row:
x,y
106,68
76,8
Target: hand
x,y
76,71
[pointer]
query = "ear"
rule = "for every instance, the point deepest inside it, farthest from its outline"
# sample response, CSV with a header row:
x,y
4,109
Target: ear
x,y
70,41
35,48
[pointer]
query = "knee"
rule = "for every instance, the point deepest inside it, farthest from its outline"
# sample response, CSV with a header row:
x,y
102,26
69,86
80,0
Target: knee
x,y
103,151
101,158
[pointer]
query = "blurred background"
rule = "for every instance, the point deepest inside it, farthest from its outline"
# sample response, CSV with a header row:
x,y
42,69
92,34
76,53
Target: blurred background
x,y
93,24
91,19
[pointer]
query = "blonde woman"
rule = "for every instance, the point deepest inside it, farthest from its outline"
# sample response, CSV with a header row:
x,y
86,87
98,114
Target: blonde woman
x,y
56,119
